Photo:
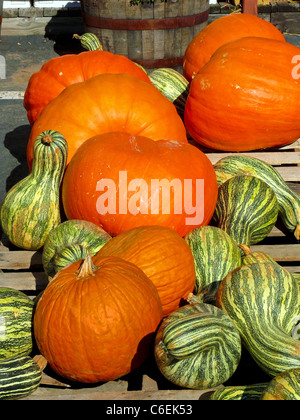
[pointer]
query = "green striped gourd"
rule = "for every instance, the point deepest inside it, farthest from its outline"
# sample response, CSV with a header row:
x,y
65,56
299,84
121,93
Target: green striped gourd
x,y
215,255
246,209
20,376
31,208
16,313
70,241
239,392
89,41
263,300
285,386
251,257
173,85
197,346
288,200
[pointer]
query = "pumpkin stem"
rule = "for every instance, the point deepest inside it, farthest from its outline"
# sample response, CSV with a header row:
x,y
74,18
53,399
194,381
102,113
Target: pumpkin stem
x,y
245,248
41,361
47,139
89,41
87,268
191,298
297,232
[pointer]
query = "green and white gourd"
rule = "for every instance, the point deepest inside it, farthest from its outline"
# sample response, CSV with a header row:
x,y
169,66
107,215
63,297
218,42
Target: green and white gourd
x,y
288,200
89,41
239,393
20,376
197,346
246,209
71,241
31,208
215,255
285,386
16,314
173,85
263,300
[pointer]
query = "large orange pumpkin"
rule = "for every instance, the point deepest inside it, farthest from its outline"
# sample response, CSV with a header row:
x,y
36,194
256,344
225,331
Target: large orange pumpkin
x,y
119,181
164,257
246,97
96,320
220,31
108,102
59,72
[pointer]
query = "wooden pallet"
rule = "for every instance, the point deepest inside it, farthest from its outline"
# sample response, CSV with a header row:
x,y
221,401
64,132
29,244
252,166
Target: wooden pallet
x,y
23,270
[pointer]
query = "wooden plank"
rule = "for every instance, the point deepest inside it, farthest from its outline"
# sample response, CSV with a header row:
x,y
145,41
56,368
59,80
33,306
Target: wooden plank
x,y
17,260
24,280
284,252
272,158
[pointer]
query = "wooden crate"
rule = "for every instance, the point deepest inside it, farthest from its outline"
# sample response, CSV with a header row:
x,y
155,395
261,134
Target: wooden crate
x,y
23,270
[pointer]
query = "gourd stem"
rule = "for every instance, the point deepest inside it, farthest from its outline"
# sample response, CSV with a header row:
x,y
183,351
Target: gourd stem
x,y
245,248
47,139
87,268
297,232
41,361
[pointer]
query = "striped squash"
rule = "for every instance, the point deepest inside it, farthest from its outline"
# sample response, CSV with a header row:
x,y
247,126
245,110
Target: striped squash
x,y
239,392
16,312
173,85
288,200
285,386
263,300
20,376
89,41
31,208
215,255
71,241
197,346
246,209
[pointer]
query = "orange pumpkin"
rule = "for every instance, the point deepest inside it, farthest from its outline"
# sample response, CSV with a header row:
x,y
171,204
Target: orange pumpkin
x,y
164,257
96,320
220,31
246,97
119,181
108,102
59,72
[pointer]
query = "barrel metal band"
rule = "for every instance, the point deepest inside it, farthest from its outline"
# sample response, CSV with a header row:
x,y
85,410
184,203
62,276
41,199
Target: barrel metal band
x,y
145,24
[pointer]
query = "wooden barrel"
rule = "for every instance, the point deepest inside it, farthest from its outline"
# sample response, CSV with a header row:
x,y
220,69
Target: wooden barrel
x,y
151,34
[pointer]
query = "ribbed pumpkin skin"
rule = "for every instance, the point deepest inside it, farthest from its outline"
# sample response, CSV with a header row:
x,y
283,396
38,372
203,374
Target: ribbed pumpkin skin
x,y
141,172
215,255
220,31
71,241
239,393
163,256
288,200
197,346
246,209
59,72
19,376
31,208
240,84
263,301
285,386
109,102
173,85
108,323
16,313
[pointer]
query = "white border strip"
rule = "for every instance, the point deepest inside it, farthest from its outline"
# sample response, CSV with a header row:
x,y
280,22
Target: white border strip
x,y
11,94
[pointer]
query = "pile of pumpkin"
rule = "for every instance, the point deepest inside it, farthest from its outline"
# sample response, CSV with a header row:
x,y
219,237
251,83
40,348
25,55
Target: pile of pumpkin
x,y
123,284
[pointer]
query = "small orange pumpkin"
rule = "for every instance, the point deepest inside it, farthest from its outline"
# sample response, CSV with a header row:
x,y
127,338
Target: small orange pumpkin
x,y
163,255
96,320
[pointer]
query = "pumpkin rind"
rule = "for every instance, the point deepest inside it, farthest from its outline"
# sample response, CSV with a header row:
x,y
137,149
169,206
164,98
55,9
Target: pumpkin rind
x,y
16,313
246,209
215,255
71,241
220,31
221,108
19,376
263,300
31,208
109,102
111,311
288,200
197,346
285,386
239,393
163,256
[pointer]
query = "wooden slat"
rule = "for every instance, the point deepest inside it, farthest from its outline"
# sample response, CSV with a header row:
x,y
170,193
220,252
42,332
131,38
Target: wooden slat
x,y
24,280
290,252
19,260
272,158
